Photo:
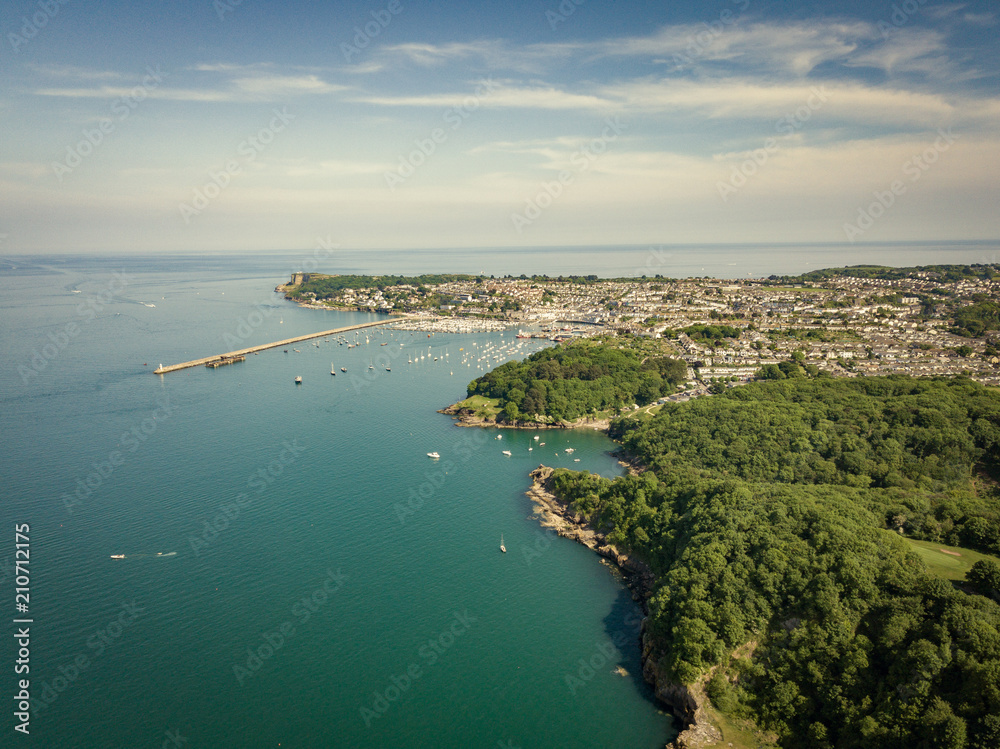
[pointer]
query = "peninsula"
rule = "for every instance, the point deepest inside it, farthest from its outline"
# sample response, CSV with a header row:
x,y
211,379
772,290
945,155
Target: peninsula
x,y
812,516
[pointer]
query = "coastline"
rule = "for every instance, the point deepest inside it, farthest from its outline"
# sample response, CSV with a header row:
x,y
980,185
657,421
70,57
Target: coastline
x,y
466,417
685,701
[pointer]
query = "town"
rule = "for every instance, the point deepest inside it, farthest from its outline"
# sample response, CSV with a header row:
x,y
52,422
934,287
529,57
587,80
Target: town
x,y
848,322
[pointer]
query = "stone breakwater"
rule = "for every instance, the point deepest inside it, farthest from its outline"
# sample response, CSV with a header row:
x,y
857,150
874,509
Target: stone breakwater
x,y
685,701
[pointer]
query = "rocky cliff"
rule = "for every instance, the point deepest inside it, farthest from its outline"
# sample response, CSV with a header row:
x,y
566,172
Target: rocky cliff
x,y
686,702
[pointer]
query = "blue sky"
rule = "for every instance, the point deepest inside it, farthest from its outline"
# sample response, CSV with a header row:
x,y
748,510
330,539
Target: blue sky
x,y
219,126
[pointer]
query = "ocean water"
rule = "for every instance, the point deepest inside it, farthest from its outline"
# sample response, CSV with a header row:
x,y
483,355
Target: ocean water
x,y
297,572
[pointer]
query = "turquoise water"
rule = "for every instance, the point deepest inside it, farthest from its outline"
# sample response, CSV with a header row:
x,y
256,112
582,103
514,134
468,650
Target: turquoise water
x,y
302,523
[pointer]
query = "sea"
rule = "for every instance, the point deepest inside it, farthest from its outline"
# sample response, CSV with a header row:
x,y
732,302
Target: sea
x,y
292,569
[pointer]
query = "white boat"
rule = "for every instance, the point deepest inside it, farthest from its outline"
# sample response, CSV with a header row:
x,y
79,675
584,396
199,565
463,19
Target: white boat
x,y
570,449
502,547
499,436
117,556
331,370
536,438
507,453
433,455
298,380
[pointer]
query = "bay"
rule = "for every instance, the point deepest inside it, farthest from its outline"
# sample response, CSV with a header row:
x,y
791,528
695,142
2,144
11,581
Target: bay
x,y
355,574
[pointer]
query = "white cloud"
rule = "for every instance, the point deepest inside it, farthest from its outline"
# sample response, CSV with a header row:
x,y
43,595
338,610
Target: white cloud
x,y
502,96
240,83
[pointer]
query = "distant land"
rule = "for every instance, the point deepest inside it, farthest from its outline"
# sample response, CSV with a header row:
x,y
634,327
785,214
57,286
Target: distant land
x,y
844,322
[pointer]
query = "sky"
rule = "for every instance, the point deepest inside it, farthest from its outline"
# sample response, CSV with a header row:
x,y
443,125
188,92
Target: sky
x,y
225,125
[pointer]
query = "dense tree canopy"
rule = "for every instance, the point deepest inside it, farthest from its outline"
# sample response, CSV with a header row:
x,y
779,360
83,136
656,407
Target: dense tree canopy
x,y
772,515
325,287
984,271
976,319
566,382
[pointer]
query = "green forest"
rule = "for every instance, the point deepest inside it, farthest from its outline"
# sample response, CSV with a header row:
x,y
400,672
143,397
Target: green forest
x,y
579,379
325,287
775,518
983,271
976,319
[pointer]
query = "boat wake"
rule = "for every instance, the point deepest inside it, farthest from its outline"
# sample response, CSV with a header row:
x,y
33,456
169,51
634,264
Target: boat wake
x,y
140,556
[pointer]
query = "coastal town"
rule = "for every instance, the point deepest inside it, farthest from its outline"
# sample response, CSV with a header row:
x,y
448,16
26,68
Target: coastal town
x,y
727,331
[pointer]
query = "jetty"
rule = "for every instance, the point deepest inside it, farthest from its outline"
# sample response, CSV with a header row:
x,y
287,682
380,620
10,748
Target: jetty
x,y
234,356
224,360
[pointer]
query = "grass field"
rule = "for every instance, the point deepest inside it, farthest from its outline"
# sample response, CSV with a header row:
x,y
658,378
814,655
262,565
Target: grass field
x,y
736,733
949,562
477,402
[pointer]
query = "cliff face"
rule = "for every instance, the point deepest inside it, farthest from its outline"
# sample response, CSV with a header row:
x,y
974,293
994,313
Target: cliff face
x,y
685,702
466,417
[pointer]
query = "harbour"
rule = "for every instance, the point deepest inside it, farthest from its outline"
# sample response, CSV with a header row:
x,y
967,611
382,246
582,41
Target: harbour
x,y
233,356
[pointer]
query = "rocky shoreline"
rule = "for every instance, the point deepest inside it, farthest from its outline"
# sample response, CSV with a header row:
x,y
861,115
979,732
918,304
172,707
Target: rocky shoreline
x,y
685,701
466,417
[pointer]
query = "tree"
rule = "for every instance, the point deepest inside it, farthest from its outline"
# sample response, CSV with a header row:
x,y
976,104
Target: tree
x,y
510,411
984,578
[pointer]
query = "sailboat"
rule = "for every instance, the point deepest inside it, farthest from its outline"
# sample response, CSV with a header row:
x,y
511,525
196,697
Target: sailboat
x,y
502,547
331,370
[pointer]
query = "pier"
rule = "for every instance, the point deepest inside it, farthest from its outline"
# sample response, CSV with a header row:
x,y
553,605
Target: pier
x,y
233,356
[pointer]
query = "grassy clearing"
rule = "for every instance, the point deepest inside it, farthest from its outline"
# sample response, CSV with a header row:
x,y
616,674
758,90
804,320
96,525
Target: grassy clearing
x,y
489,406
950,566
736,733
